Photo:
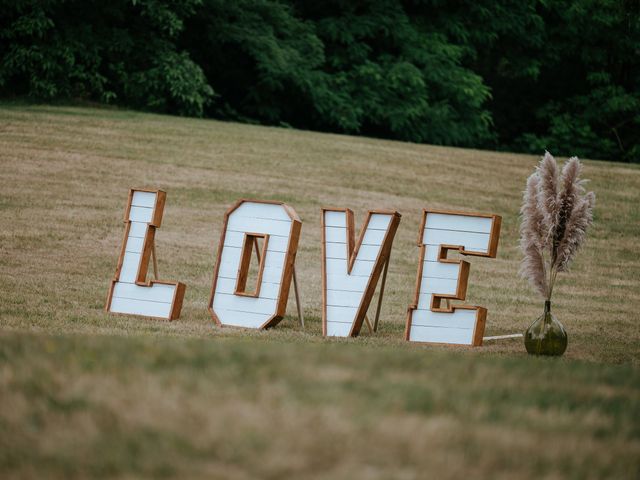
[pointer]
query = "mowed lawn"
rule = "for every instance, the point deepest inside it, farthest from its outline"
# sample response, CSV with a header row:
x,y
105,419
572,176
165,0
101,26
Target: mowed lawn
x,y
87,394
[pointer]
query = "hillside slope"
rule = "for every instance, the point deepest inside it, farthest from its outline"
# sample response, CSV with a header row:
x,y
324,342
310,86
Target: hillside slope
x,y
83,393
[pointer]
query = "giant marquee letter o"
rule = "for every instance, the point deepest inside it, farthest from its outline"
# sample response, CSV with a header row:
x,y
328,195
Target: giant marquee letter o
x,y
278,226
442,278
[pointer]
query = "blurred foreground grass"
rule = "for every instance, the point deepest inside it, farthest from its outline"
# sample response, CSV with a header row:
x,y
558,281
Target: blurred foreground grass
x,y
95,406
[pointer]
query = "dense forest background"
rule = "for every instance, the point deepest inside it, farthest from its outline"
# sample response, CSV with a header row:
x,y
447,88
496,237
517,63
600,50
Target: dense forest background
x,y
521,75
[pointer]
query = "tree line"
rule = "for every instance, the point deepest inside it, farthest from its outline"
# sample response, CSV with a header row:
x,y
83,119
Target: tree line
x,y
519,75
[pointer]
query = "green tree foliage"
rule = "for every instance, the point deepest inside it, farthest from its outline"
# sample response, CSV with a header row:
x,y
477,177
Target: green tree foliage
x,y
117,51
506,74
579,88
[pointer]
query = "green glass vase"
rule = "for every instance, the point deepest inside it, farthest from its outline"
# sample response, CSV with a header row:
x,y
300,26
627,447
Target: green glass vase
x,y
546,336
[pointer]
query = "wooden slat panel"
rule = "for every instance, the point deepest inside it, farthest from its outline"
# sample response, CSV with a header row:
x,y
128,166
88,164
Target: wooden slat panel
x,y
379,221
335,235
129,270
335,219
336,250
442,286
339,267
339,298
441,335
431,253
373,237
461,318
440,270
478,242
337,329
462,223
351,283
140,214
238,223
144,199
341,314
156,293
241,319
275,244
134,244
138,229
368,252
140,307
244,304
266,211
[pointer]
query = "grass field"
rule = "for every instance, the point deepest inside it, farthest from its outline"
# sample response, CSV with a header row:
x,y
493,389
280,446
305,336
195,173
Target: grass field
x,y
86,394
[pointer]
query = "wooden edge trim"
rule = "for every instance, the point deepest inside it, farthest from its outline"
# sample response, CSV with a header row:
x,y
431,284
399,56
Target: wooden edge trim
x,y
494,236
178,298
158,209
458,212
323,270
287,274
478,331
150,190
145,256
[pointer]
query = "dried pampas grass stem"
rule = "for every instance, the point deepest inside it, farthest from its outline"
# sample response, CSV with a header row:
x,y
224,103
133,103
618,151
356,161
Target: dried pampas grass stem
x,y
556,214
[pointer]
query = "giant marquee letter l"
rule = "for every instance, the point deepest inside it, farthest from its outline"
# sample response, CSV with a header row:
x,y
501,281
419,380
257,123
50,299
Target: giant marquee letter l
x,y
442,278
350,271
247,224
130,292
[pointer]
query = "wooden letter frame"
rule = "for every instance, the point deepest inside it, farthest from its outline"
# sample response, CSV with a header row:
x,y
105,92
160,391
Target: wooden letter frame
x,y
287,272
353,247
463,275
148,249
251,241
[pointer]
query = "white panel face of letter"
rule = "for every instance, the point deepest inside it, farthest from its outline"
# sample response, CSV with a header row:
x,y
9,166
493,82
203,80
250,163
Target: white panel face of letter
x,y
351,271
130,293
441,278
278,227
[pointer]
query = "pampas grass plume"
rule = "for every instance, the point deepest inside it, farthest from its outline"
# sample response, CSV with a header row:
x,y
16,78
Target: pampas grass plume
x,y
555,216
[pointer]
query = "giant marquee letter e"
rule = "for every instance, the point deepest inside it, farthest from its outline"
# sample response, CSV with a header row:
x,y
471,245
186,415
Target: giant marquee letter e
x,y
270,230
130,291
350,271
442,278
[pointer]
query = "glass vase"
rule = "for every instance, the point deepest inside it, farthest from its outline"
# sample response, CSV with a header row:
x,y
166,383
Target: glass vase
x,y
546,336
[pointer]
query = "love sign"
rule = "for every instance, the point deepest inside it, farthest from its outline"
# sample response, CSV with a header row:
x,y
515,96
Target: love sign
x,y
255,267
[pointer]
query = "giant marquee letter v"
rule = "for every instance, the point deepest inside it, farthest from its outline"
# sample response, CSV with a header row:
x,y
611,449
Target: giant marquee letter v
x,y
443,278
270,230
350,270
130,292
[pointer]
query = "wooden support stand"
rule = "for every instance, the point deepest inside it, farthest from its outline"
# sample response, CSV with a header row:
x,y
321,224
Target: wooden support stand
x,y
155,260
298,304
374,328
